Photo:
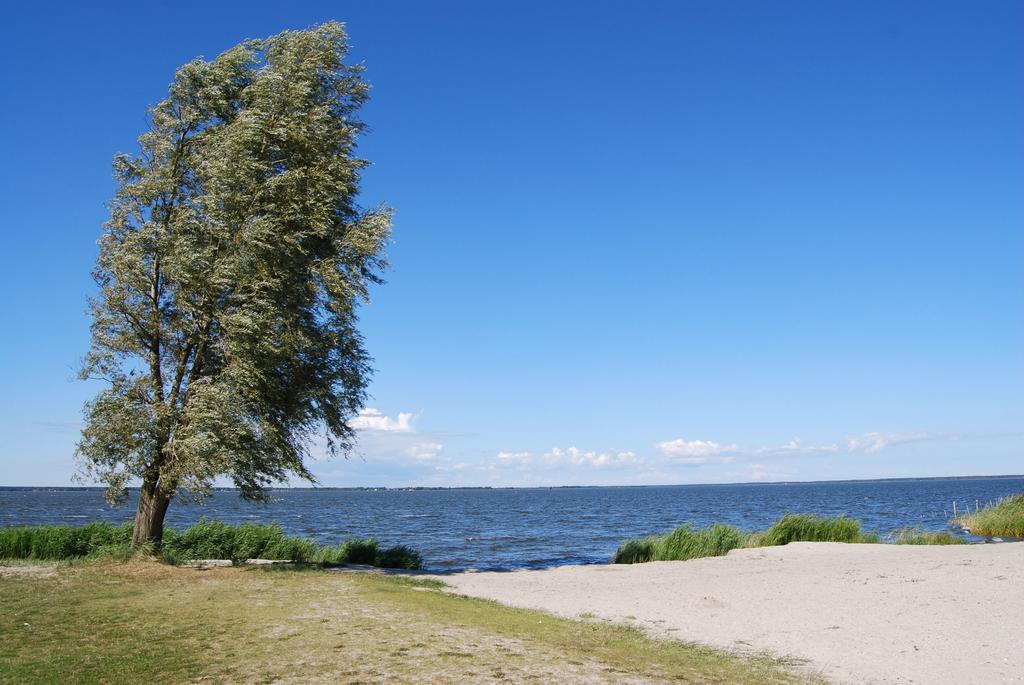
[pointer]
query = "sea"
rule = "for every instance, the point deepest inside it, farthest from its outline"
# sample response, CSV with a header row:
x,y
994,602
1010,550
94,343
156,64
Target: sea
x,y
509,528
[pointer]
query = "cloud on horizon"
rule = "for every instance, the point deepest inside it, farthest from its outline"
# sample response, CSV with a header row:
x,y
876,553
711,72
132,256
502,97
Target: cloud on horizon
x,y
396,440
394,451
572,456
669,454
702,451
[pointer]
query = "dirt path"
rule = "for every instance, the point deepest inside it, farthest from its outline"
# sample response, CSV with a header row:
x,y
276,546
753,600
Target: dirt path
x,y
857,613
20,570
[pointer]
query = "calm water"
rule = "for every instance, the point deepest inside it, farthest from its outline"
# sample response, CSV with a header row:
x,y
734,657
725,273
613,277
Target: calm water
x,y
535,527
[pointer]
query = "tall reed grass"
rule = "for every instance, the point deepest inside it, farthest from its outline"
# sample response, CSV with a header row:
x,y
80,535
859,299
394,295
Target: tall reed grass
x,y
64,542
812,528
1005,518
685,542
913,536
682,543
206,539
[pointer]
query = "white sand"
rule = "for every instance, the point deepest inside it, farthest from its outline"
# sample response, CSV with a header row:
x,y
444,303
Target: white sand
x,y
856,613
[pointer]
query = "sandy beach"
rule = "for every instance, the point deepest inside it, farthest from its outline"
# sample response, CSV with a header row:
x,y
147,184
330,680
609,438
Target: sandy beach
x,y
854,613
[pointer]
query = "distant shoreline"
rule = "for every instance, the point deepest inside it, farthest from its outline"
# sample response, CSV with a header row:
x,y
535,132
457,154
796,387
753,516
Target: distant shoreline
x,y
1009,476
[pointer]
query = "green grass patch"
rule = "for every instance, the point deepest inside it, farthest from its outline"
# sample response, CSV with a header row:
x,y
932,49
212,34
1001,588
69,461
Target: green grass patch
x,y
1005,518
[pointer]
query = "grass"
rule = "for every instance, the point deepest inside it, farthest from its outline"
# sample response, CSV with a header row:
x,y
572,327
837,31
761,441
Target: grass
x,y
811,528
65,542
913,536
1005,518
207,539
106,622
682,543
636,551
685,542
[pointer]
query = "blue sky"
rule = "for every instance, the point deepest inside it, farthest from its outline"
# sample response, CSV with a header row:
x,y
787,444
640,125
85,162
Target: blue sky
x,y
634,243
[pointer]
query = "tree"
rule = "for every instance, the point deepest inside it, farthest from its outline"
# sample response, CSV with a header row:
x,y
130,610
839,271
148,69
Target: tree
x,y
229,276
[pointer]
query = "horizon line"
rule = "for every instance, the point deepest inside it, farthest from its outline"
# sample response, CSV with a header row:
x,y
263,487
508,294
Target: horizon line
x,y
548,487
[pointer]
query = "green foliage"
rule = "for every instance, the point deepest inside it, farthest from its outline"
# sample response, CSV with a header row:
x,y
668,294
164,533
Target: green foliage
x,y
359,551
255,541
207,539
16,543
218,540
229,277
348,552
64,542
687,543
1005,518
204,540
295,549
913,536
636,551
812,528
682,543
400,556
368,553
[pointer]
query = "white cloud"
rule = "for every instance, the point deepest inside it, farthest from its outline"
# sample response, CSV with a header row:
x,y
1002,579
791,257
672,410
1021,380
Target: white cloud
x,y
796,446
571,456
424,451
578,457
691,448
515,457
696,452
370,419
692,451
395,440
758,471
682,452
876,442
866,443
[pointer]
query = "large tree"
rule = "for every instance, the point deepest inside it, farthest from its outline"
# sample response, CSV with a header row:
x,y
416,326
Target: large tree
x,y
229,275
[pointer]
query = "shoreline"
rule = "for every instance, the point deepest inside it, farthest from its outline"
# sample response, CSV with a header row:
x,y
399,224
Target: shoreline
x,y
855,613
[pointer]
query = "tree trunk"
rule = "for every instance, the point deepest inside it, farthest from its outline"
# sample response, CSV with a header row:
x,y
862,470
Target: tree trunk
x,y
149,517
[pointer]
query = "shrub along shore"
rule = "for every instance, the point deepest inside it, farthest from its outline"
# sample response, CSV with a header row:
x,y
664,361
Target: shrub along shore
x,y
686,542
205,540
